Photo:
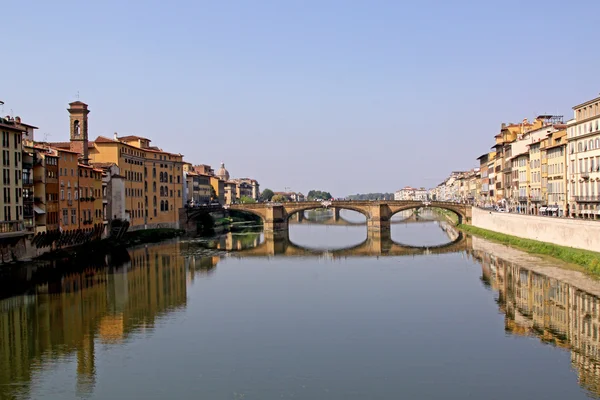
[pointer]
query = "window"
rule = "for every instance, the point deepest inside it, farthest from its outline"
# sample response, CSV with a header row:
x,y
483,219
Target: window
x,y
162,205
65,217
62,194
73,216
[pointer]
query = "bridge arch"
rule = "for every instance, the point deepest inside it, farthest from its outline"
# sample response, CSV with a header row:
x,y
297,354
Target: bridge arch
x,y
296,209
461,216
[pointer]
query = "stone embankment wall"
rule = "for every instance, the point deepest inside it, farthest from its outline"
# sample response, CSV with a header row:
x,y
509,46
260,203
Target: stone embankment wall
x,y
577,233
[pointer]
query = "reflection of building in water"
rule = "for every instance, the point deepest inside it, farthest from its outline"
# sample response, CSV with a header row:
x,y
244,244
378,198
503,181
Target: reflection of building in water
x,y
554,311
238,241
66,317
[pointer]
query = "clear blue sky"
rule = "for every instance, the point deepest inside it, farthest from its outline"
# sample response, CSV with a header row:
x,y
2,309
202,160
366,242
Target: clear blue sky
x,y
344,96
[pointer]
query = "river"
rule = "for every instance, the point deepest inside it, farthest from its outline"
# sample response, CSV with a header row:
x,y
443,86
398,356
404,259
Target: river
x,y
327,313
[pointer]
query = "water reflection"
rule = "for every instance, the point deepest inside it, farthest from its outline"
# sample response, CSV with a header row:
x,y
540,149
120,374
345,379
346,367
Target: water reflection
x,y
73,316
555,312
74,313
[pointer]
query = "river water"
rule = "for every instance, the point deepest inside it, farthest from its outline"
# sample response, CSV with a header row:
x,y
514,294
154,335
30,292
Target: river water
x,y
329,313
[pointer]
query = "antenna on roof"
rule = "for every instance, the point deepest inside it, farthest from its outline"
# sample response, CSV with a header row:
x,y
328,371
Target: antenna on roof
x,y
78,95
46,136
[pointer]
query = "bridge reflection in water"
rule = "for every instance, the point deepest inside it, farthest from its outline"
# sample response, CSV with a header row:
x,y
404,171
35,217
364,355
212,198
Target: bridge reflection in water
x,y
70,316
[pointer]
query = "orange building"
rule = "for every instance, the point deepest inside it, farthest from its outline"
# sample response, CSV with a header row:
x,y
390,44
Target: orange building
x,y
68,176
89,196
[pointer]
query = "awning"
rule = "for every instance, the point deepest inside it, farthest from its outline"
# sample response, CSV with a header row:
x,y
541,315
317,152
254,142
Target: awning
x,y
552,209
542,209
38,210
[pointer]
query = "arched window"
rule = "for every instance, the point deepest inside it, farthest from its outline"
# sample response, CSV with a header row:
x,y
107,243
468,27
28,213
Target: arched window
x,y
154,201
579,146
76,129
591,145
154,187
161,191
598,143
162,205
145,186
166,205
170,178
154,172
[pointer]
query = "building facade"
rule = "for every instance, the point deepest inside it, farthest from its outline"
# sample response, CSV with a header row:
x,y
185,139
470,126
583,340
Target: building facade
x,y
583,175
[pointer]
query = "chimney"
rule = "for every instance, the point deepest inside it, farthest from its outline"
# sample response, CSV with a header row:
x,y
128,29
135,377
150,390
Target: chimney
x,y
503,125
115,136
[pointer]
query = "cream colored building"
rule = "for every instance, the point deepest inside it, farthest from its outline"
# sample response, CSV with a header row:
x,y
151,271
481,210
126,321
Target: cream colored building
x,y
556,153
583,172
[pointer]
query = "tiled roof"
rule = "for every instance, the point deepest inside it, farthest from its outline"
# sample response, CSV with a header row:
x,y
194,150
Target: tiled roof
x,y
133,137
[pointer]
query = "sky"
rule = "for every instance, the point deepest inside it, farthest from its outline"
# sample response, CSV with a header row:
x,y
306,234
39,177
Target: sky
x,y
342,96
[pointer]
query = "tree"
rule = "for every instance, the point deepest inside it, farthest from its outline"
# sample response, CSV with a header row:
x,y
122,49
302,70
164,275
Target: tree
x,y
267,195
213,194
279,198
247,200
318,195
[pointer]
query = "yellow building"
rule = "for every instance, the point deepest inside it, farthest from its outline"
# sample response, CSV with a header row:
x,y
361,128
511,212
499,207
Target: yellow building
x,y
153,179
219,187
556,155
535,178
521,165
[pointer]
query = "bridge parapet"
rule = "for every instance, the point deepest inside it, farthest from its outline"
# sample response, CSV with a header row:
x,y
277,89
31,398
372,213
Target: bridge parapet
x,y
378,213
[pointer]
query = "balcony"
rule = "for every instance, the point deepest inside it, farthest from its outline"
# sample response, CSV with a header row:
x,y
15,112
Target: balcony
x,y
51,180
523,198
535,199
587,199
11,228
28,199
27,181
38,200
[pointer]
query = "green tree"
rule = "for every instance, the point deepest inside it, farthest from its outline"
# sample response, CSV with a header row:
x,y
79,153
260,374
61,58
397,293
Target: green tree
x,y
213,194
247,200
267,195
318,195
279,198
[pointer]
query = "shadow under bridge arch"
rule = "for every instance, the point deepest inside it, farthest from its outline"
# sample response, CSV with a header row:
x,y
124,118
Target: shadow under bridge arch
x,y
448,207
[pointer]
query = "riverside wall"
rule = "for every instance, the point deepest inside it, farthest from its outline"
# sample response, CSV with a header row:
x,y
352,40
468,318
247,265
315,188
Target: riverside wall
x,y
577,233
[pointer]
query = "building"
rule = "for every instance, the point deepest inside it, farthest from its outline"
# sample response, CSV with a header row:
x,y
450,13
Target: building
x,y
46,189
68,176
89,196
583,173
230,192
218,186
11,205
113,192
411,193
556,155
222,173
247,187
153,177
198,189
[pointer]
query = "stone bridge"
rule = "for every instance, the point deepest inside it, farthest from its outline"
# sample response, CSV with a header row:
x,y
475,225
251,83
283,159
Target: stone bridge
x,y
276,216
374,246
337,220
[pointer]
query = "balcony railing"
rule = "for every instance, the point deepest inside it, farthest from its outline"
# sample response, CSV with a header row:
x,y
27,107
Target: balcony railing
x,y
523,198
535,199
27,181
51,180
587,199
7,227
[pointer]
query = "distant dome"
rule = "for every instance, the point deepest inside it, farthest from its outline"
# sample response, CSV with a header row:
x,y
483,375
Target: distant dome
x,y
222,173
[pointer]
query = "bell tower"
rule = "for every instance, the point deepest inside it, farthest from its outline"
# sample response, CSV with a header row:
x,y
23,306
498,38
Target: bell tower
x,y
79,129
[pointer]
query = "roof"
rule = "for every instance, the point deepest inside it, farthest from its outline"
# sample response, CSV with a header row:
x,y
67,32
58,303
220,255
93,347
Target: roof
x,y
103,164
134,137
67,151
104,139
586,103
